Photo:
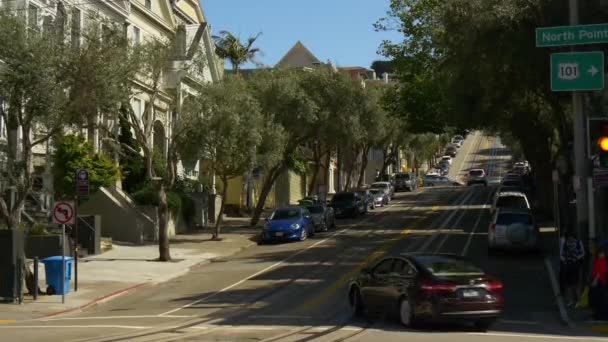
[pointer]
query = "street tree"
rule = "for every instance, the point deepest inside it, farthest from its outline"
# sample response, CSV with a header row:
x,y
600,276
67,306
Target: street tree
x,y
227,125
228,46
48,85
287,113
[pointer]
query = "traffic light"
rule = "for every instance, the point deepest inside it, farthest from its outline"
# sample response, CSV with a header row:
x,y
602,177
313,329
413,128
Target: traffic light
x,y
602,144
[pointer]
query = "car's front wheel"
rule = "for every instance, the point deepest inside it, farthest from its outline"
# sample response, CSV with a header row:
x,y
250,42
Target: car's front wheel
x,y
483,325
304,234
357,308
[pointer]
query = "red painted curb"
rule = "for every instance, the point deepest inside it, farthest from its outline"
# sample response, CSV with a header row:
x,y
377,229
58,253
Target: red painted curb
x,y
96,300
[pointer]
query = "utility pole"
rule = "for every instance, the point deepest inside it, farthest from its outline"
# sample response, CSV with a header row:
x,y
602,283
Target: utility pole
x,y
580,147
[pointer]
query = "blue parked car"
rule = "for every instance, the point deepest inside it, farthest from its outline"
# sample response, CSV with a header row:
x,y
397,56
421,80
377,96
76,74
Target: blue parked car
x,y
288,224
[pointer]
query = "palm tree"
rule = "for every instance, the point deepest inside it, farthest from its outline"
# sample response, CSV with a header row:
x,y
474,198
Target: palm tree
x,y
230,47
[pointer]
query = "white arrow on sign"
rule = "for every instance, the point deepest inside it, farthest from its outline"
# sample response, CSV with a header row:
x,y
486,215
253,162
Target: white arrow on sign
x,y
593,70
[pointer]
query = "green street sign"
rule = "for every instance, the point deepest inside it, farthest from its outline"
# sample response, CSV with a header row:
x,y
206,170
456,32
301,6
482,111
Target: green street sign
x,y
577,71
571,35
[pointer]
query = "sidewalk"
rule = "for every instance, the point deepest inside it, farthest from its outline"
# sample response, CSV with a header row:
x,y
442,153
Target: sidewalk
x,y
127,267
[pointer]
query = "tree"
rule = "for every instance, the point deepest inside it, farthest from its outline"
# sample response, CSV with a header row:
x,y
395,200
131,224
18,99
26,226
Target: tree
x,y
47,85
227,126
381,67
287,113
73,153
228,46
477,50
131,161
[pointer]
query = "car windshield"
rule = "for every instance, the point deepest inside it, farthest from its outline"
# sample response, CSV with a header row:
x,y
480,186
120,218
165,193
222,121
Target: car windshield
x,y
476,173
344,197
441,266
506,219
286,214
316,209
512,201
380,185
405,176
375,192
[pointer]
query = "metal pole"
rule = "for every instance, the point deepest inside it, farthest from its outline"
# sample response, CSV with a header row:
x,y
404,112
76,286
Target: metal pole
x,y
580,145
591,209
36,278
62,264
76,244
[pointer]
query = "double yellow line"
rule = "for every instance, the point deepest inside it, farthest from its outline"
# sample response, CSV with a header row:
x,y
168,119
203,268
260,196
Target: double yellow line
x,y
377,254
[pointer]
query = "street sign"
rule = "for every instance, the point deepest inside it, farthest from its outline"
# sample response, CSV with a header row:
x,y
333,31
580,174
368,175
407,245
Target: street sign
x,y
577,71
63,212
571,35
82,183
600,176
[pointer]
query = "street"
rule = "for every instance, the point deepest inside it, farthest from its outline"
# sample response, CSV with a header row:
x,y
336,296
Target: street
x,y
298,291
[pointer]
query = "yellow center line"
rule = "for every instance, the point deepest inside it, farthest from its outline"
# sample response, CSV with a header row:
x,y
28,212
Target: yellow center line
x,y
333,287
7,321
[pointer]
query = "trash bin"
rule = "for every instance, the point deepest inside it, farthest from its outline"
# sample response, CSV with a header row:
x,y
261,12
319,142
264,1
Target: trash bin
x,y
52,269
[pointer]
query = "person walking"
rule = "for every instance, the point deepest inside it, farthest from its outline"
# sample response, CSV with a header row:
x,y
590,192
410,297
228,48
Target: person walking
x,y
597,289
572,255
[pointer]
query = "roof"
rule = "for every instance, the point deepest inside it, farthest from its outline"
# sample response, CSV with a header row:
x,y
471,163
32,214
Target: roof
x,y
306,58
514,211
511,193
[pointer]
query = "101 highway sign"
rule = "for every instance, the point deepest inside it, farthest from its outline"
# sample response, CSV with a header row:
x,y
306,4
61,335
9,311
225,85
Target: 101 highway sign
x,y
577,71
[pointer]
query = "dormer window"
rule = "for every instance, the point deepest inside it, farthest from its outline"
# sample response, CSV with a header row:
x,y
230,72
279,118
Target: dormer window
x,y
149,4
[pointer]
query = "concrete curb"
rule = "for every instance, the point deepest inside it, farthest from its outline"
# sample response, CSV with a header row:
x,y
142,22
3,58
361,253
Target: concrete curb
x,y
96,301
558,296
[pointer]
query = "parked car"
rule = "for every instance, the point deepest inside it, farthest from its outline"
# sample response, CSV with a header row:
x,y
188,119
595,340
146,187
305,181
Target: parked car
x,y
405,181
430,180
458,139
427,288
347,204
513,229
384,186
477,176
451,151
323,217
448,159
511,200
380,198
288,224
367,198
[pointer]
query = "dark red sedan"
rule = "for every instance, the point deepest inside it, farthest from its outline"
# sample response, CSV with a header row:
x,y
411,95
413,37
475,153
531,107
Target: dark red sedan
x,y
427,288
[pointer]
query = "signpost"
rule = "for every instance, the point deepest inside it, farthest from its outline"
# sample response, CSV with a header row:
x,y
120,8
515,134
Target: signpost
x,y
571,35
577,71
82,191
63,213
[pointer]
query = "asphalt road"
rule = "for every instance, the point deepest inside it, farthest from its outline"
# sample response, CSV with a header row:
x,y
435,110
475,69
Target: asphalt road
x,y
297,291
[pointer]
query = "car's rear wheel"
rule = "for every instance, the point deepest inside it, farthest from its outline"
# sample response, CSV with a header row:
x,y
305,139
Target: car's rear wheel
x,y
406,314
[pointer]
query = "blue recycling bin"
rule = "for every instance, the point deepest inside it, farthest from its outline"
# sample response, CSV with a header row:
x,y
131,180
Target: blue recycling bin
x,y
52,269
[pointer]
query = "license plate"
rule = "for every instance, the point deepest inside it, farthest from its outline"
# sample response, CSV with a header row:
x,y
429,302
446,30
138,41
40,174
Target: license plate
x,y
278,234
470,294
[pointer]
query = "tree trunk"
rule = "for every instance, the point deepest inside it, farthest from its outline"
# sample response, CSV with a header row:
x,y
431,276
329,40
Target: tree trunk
x,y
340,168
218,223
163,219
269,180
364,162
312,187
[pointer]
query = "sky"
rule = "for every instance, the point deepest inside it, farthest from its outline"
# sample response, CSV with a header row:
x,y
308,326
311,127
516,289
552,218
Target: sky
x,y
338,30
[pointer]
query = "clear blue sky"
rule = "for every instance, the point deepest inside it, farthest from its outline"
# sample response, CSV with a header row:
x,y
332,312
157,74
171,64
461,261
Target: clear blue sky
x,y
338,30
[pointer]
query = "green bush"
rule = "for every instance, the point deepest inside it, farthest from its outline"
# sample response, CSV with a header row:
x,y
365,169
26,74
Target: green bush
x,y
147,196
37,230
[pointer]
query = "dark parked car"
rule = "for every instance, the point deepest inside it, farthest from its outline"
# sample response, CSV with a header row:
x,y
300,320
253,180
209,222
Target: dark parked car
x,y
323,217
405,181
428,287
451,151
347,204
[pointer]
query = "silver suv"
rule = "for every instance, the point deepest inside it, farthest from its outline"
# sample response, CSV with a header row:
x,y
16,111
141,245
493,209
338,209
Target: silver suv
x,y
513,229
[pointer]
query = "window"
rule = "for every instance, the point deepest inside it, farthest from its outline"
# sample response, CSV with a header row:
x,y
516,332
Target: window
x,y
75,27
149,4
137,107
384,267
403,268
286,214
508,201
2,133
136,36
445,266
32,16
